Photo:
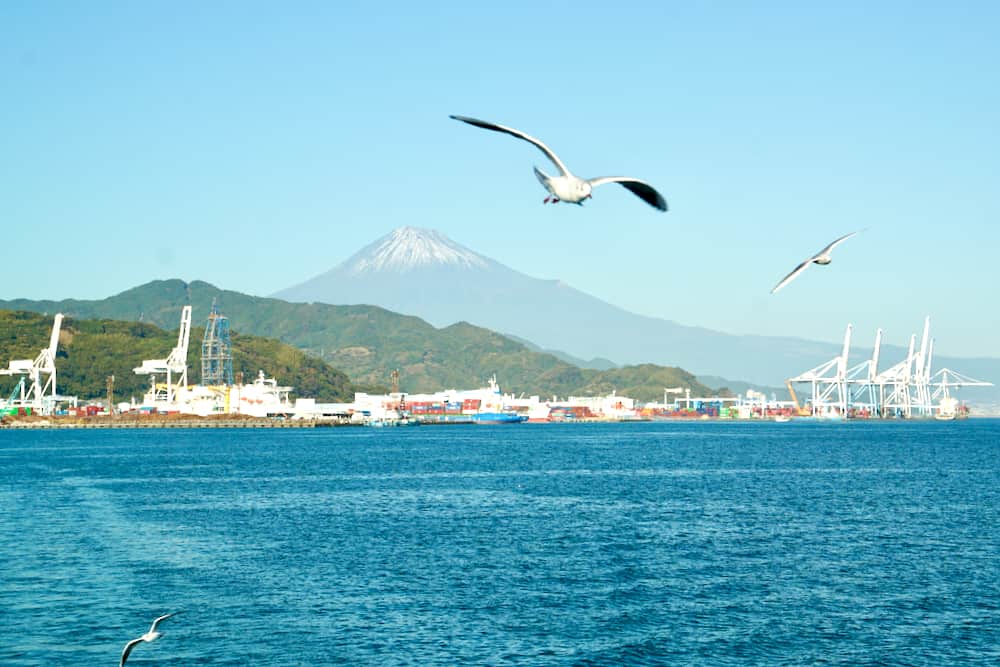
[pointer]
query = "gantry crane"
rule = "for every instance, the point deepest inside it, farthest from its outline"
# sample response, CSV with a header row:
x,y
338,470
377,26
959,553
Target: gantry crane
x,y
175,365
37,394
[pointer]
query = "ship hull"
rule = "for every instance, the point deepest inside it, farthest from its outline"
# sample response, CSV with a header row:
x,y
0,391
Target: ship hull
x,y
498,418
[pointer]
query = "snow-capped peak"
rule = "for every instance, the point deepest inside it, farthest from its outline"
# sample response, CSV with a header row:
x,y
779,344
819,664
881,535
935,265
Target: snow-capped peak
x,y
408,248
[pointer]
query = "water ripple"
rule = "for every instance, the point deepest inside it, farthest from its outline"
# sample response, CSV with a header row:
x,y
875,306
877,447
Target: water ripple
x,y
644,544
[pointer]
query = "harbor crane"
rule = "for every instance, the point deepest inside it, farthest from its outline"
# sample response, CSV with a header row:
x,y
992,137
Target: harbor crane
x,y
861,380
799,410
175,365
943,382
675,390
10,407
905,389
829,382
37,394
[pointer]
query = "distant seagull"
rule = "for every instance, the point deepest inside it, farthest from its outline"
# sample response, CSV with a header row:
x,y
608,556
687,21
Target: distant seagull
x,y
822,258
148,637
569,188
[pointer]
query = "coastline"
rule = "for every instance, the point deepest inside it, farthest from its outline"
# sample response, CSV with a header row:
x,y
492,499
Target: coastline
x,y
190,422
165,422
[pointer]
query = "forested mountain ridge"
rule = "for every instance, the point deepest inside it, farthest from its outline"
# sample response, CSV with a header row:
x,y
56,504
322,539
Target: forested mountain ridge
x,y
368,343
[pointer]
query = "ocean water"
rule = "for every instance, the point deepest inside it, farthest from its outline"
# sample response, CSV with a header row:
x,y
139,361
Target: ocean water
x,y
624,544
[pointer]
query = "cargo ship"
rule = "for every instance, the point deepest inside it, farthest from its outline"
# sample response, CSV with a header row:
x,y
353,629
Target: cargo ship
x,y
491,409
498,418
477,406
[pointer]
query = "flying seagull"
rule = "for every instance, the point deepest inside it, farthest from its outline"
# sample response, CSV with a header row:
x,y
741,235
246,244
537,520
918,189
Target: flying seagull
x,y
822,258
148,637
569,188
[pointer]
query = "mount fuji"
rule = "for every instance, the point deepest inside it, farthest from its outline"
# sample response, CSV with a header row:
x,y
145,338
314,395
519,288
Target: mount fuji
x,y
424,273
410,248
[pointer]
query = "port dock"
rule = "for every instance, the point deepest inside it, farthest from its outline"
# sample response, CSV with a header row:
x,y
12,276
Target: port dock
x,y
166,421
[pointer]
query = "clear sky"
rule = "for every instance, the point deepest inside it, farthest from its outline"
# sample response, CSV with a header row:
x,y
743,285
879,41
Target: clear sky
x,y
254,145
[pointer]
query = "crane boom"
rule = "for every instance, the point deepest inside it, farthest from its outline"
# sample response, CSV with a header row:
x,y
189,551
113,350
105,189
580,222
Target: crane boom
x,y
795,399
54,337
177,359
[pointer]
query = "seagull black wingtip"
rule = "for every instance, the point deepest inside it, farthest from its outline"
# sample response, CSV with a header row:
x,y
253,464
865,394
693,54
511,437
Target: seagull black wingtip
x,y
469,119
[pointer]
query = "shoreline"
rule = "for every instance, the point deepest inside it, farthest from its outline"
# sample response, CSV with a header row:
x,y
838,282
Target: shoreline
x,y
169,422
58,423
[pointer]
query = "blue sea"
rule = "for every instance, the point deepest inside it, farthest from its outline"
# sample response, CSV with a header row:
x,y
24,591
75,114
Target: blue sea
x,y
589,544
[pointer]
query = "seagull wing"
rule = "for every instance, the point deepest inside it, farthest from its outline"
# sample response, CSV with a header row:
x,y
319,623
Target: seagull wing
x,y
791,276
128,649
641,189
152,628
520,135
836,243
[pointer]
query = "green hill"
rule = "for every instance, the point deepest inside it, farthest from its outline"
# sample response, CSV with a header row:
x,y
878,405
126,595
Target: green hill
x,y
645,380
368,342
91,350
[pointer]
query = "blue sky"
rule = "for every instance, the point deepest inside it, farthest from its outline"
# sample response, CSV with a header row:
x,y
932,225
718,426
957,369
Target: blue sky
x,y
254,145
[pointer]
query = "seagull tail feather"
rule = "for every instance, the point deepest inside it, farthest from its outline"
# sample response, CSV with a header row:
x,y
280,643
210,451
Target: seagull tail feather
x,y
542,177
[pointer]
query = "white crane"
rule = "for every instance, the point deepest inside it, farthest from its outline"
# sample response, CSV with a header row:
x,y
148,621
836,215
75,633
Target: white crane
x,y
905,389
863,377
175,365
829,392
896,379
946,379
38,395
922,371
673,390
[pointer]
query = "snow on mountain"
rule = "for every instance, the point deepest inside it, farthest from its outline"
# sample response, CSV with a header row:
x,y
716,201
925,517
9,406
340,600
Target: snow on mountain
x,y
409,248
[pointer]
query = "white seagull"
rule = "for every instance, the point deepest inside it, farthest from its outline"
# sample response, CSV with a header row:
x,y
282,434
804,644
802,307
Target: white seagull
x,y
569,188
148,637
822,258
